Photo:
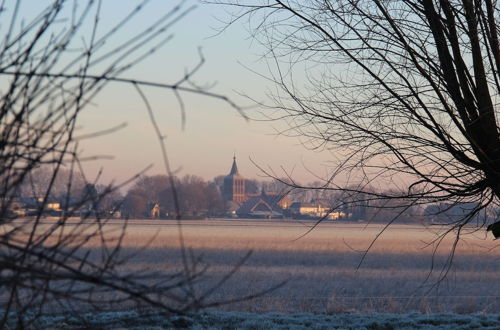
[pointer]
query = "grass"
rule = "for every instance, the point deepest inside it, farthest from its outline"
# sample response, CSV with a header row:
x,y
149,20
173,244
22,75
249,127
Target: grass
x,y
325,270
232,320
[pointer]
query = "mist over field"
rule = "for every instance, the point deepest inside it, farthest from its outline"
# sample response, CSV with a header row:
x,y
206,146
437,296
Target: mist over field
x,y
322,268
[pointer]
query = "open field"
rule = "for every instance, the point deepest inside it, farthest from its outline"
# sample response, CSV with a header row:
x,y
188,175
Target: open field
x,y
401,273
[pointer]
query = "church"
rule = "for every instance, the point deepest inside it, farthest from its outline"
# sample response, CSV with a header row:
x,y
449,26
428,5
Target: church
x,y
234,186
239,203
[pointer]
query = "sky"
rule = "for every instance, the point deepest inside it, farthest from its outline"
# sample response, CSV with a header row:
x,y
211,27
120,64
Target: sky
x,y
213,131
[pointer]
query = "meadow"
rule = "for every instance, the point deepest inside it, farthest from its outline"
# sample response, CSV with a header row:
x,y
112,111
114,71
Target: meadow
x,y
325,268
319,269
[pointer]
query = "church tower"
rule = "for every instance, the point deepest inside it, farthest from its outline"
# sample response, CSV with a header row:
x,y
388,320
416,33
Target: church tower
x,y
234,185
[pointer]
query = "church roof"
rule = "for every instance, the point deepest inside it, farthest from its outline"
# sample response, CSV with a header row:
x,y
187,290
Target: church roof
x,y
261,205
234,170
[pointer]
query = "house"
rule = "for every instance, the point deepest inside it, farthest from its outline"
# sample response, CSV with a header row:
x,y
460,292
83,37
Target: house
x,y
32,205
262,206
315,210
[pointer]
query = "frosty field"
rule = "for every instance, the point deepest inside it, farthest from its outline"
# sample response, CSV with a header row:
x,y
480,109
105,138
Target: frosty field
x,y
239,320
323,269
403,271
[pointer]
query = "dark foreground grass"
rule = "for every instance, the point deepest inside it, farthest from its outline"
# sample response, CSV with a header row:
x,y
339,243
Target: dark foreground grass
x,y
239,320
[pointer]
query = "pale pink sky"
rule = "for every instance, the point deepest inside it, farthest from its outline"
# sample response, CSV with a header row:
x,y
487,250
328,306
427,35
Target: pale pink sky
x,y
214,131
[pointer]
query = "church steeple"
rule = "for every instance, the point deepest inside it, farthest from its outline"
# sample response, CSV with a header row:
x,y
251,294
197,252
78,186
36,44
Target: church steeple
x,y
234,168
234,185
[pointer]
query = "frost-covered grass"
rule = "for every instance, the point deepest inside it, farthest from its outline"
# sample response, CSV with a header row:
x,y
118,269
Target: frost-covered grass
x,y
239,320
402,272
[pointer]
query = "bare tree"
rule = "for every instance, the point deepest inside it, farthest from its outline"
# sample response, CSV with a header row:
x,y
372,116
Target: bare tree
x,y
52,66
402,92
195,195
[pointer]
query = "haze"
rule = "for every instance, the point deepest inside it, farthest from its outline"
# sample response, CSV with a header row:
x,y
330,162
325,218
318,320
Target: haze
x,y
213,130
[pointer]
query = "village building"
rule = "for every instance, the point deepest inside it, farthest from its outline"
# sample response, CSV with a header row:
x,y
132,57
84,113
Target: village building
x,y
240,204
263,206
31,206
314,210
234,186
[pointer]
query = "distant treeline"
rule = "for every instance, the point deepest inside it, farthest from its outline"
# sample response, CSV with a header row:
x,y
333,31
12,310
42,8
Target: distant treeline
x,y
196,196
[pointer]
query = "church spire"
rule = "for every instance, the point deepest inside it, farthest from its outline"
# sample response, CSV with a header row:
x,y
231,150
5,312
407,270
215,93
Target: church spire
x,y
234,185
234,168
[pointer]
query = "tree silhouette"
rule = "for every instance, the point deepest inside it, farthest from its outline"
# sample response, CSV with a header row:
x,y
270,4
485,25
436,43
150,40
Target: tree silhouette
x,y
403,94
53,63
